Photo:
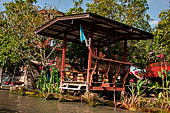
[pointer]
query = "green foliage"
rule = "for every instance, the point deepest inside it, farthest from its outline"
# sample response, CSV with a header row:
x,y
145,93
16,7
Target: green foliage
x,y
132,89
8,50
139,84
131,12
19,20
31,1
138,89
77,9
163,28
78,54
162,33
164,75
17,37
138,52
49,85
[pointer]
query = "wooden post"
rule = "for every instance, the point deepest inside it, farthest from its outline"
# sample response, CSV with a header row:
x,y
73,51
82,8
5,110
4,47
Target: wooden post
x,y
124,59
63,60
98,52
124,54
125,51
89,65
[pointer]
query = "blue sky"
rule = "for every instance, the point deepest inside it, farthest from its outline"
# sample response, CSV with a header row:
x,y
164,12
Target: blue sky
x,y
63,5
155,7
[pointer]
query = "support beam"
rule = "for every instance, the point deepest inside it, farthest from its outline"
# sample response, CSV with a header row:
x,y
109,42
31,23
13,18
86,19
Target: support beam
x,y
98,52
125,51
63,60
89,65
125,55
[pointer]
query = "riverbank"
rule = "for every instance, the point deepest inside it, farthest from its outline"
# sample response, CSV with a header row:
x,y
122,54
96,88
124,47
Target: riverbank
x,y
25,104
146,104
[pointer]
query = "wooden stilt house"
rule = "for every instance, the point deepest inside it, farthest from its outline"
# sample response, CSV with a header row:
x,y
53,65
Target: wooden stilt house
x,y
100,32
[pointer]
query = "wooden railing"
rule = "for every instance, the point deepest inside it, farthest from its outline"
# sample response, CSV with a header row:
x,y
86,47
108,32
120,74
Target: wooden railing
x,y
121,67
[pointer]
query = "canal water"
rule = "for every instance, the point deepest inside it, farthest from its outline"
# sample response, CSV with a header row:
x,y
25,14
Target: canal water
x,y
11,103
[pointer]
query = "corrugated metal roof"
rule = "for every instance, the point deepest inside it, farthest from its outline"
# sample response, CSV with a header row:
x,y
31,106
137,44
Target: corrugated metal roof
x,y
105,31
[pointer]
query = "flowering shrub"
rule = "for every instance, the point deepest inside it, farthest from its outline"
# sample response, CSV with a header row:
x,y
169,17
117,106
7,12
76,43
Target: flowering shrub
x,y
51,62
136,72
50,69
161,56
130,73
40,67
131,80
49,85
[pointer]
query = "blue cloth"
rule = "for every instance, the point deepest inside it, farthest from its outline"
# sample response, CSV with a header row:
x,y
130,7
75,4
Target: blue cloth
x,y
82,36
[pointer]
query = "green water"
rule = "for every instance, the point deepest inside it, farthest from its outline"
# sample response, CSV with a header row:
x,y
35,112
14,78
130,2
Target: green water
x,y
10,103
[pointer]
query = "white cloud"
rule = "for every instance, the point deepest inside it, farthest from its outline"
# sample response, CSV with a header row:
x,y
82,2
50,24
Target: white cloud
x,y
154,22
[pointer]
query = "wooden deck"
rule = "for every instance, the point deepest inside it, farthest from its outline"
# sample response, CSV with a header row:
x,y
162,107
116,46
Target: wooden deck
x,y
101,77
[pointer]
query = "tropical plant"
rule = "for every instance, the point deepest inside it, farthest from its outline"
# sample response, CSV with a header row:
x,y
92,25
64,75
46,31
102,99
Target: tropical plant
x,y
138,88
132,89
139,85
164,75
49,85
134,100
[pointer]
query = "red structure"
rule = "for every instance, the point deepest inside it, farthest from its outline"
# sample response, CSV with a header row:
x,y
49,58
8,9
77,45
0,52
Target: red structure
x,y
152,69
101,73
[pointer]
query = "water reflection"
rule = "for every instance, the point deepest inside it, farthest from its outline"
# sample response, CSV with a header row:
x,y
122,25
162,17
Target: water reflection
x,y
10,103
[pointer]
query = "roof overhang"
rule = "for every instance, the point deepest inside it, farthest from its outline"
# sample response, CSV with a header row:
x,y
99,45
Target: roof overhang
x,y
105,31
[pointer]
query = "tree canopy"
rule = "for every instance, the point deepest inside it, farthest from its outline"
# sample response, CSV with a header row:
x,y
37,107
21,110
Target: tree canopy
x,y
18,22
17,37
130,12
162,33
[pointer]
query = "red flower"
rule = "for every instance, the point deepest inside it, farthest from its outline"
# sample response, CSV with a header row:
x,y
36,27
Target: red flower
x,y
130,72
38,46
40,67
51,62
12,83
50,69
161,56
46,42
131,80
136,72
36,41
6,83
